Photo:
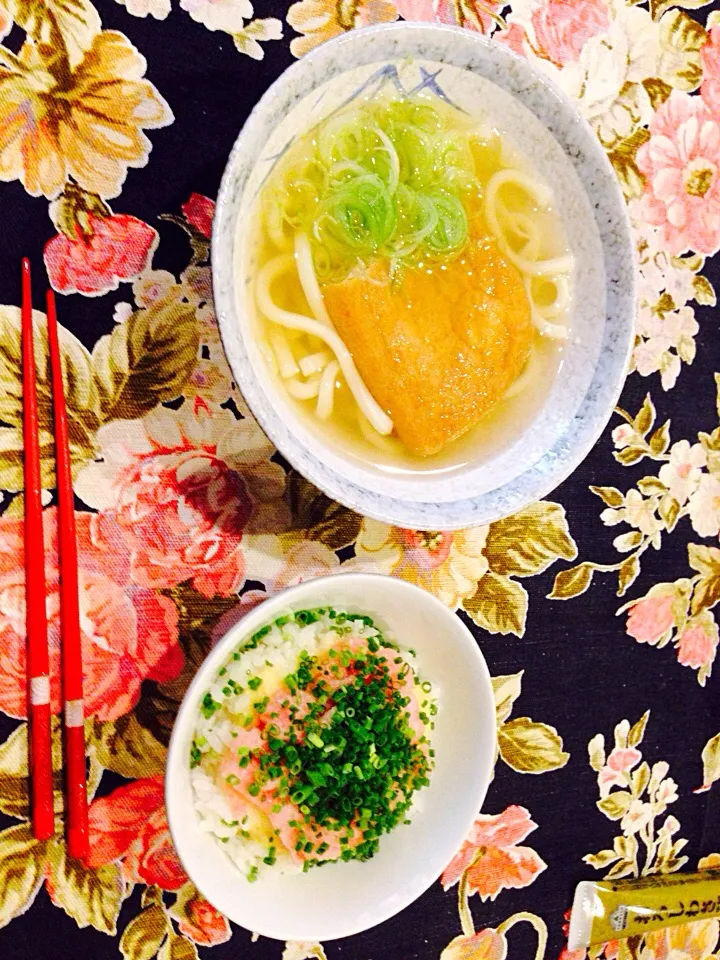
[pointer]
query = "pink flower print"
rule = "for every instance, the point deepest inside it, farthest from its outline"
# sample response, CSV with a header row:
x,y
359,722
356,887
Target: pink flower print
x,y
698,642
191,490
681,475
448,564
443,11
650,618
615,771
623,436
423,10
118,249
710,57
670,826
424,551
486,944
129,634
681,162
130,825
639,814
491,855
202,923
563,27
513,38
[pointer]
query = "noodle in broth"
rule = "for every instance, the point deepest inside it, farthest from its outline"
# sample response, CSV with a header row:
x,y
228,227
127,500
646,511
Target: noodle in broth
x,y
356,204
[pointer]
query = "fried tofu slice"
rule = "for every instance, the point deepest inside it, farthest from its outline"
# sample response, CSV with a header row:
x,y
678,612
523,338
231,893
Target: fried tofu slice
x,y
439,348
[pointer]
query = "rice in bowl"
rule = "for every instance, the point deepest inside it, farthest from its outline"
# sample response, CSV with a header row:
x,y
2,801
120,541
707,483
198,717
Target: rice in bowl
x,y
311,742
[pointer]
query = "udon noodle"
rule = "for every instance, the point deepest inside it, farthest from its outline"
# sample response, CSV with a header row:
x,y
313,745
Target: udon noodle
x,y
370,202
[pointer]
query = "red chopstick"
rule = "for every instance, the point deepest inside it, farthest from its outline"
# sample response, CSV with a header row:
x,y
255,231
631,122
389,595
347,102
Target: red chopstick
x,y
41,774
72,671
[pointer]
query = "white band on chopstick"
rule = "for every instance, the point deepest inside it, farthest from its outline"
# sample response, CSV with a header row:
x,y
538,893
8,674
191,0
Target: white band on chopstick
x,y
74,713
39,691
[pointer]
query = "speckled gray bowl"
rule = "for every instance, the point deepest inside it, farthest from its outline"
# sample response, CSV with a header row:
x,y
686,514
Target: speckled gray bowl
x,y
539,122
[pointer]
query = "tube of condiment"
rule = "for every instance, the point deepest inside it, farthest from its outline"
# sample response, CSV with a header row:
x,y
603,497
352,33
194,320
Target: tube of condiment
x,y
607,910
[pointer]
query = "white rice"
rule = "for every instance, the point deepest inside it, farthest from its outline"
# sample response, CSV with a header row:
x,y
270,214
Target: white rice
x,y
276,655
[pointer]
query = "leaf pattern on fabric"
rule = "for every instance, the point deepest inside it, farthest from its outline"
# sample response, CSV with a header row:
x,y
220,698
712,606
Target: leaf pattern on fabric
x,y
686,485
711,763
635,794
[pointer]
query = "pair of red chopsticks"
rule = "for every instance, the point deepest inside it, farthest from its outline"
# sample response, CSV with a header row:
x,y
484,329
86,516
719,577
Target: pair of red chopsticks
x,y
39,713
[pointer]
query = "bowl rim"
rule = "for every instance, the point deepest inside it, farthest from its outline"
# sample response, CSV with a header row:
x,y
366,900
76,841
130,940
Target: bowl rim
x,y
568,451
220,650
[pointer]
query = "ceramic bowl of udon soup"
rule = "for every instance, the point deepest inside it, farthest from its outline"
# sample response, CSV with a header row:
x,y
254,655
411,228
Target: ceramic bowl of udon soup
x,y
424,275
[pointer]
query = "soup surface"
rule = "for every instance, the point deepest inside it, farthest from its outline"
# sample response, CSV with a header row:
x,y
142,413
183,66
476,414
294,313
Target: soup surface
x,y
413,283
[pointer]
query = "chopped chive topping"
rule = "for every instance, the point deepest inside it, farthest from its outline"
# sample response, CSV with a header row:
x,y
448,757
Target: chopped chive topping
x,y
339,747
270,858
208,706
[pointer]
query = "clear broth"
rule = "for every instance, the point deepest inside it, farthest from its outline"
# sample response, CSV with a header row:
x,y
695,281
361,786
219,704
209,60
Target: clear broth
x,y
507,420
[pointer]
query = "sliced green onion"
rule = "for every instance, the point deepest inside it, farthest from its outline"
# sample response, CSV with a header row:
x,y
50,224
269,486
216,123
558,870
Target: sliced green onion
x,y
369,182
451,230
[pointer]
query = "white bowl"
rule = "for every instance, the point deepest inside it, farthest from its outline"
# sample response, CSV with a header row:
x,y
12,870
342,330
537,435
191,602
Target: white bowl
x,y
541,123
345,898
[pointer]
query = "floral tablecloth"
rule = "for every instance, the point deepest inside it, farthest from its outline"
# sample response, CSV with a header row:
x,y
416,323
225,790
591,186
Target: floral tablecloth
x,y
594,609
